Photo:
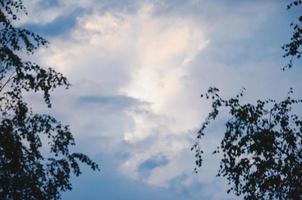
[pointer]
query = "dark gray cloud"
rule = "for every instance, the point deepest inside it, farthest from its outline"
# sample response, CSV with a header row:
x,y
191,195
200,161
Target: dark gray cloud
x,y
118,102
150,164
62,25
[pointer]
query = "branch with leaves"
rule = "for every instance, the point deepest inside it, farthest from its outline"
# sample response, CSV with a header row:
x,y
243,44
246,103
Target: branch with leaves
x,y
261,147
26,172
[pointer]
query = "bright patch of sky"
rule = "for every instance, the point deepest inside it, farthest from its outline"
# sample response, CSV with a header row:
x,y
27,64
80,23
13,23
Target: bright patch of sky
x,y
137,69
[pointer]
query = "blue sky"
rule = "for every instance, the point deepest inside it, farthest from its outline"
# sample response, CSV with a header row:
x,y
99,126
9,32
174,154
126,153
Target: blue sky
x,y
137,70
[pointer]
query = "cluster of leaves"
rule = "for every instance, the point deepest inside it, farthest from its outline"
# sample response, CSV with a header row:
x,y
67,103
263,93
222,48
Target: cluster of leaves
x,y
25,172
293,48
261,147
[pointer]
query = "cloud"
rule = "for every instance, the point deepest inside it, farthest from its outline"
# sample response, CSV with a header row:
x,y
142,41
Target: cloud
x,y
118,101
153,162
123,59
59,26
138,69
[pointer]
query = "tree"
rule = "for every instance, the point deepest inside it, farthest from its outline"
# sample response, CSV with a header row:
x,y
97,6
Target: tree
x,y
26,171
261,147
262,144
293,48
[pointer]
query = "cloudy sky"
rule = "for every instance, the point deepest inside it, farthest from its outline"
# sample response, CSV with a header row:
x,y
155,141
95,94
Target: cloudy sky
x,y
137,70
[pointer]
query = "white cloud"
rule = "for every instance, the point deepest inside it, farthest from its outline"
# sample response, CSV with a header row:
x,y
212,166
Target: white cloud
x,y
162,60
145,57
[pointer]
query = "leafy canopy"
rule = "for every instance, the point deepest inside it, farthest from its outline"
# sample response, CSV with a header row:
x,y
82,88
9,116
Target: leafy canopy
x,y
261,147
25,171
262,144
293,48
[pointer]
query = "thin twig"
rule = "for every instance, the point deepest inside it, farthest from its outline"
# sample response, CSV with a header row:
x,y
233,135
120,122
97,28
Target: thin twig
x,y
7,81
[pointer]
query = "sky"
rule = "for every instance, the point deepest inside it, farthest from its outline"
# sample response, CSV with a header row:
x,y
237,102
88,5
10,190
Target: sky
x,y
137,70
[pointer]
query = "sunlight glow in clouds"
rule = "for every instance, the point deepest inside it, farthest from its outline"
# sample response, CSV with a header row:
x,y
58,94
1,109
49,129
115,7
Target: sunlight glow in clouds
x,y
137,68
153,55
163,49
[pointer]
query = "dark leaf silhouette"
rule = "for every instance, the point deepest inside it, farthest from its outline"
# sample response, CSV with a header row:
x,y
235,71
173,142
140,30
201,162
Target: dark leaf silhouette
x,y
34,148
293,48
261,147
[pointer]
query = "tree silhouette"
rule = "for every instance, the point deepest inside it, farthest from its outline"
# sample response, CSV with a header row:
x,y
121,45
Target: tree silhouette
x,y
293,48
262,145
35,161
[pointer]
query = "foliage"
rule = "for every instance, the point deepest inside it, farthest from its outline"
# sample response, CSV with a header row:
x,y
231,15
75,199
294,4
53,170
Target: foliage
x,y
262,144
261,147
27,171
293,48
